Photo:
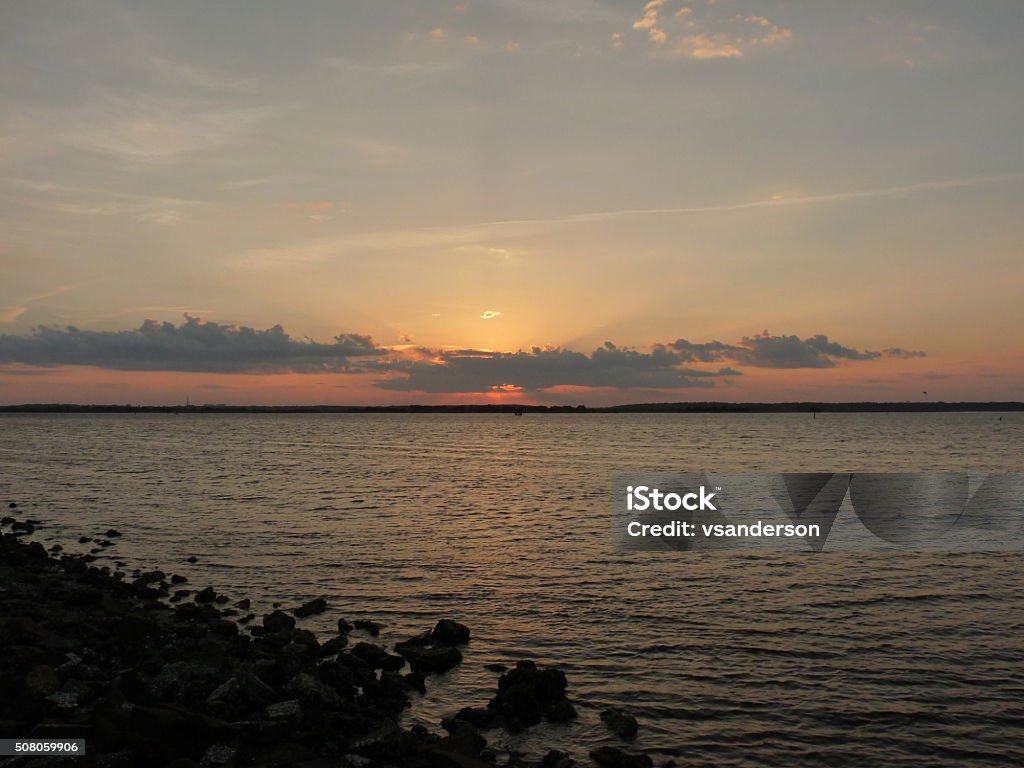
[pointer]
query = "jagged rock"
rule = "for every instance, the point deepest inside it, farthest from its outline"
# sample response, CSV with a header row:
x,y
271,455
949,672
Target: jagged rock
x,y
41,681
610,757
318,605
284,711
621,724
206,595
312,692
219,756
377,657
333,646
450,632
278,621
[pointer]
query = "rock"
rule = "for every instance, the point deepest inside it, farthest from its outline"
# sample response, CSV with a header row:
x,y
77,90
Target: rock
x,y
450,632
344,627
528,694
610,757
192,559
41,681
244,604
219,756
176,579
151,576
479,717
560,711
377,657
112,533
206,596
6,520
622,725
278,621
557,759
415,681
13,505
312,692
496,667
429,657
284,711
318,605
333,646
23,527
372,627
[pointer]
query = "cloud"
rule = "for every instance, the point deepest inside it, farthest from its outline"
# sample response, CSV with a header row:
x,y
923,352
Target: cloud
x,y
903,354
313,251
489,314
193,346
153,129
649,22
708,35
209,347
471,370
767,351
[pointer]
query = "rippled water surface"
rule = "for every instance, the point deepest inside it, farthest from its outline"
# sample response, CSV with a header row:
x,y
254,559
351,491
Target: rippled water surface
x,y
502,522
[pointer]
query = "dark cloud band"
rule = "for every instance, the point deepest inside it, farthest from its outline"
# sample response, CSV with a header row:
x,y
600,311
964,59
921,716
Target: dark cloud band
x,y
197,346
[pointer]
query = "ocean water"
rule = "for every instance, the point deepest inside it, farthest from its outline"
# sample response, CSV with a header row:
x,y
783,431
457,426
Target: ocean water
x,y
726,658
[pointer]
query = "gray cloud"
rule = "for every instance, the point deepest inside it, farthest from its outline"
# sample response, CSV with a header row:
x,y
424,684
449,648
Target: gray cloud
x,y
192,346
198,346
469,370
903,354
768,351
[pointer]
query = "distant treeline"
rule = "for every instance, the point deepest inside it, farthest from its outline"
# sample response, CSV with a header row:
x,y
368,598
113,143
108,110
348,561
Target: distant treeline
x,y
510,408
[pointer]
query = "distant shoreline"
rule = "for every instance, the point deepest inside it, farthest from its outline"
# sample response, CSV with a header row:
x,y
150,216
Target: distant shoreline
x,y
795,407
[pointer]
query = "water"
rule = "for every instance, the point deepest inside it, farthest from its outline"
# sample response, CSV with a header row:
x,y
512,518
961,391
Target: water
x,y
502,522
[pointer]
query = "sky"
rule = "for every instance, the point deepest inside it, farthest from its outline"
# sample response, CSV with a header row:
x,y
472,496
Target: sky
x,y
583,201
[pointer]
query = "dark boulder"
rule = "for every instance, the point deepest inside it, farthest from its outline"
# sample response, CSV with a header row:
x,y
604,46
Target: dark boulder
x,y
377,657
278,621
610,757
313,607
429,657
556,759
450,632
206,596
622,725
372,627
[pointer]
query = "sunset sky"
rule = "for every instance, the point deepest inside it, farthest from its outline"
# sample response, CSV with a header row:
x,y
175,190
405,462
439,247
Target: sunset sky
x,y
582,201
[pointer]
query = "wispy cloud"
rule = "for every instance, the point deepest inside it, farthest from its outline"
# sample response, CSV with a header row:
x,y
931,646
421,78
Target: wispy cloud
x,y
154,129
319,250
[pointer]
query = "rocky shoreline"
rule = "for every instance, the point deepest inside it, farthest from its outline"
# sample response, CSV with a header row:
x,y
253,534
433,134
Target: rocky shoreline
x,y
152,673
